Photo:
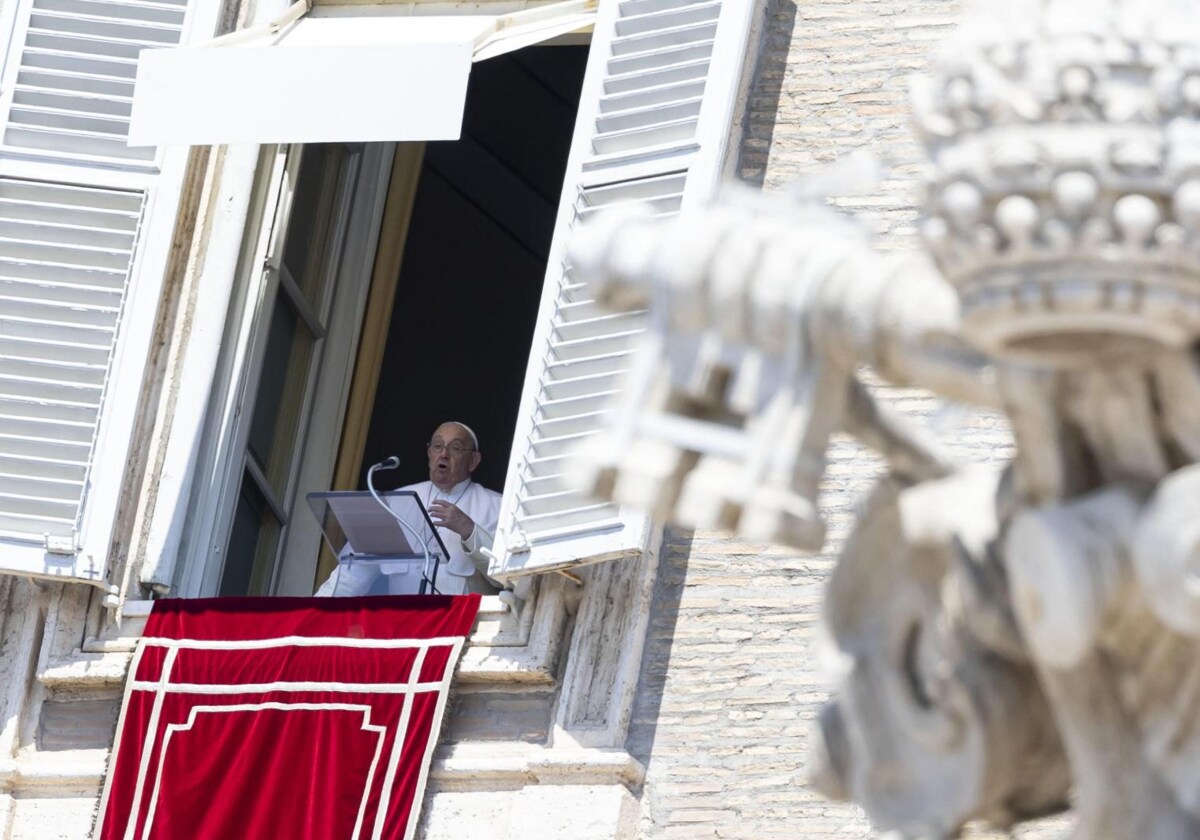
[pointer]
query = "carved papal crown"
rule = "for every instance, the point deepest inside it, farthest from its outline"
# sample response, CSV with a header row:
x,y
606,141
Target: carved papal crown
x,y
1063,200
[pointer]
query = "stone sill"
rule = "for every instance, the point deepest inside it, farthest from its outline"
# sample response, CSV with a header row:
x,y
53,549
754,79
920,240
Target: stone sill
x,y
532,764
505,646
461,764
59,769
488,627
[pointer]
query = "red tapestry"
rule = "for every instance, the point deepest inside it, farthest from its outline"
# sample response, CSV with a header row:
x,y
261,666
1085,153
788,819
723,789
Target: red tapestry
x,y
282,717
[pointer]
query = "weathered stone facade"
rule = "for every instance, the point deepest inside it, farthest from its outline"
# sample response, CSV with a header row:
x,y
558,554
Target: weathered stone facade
x,y
730,676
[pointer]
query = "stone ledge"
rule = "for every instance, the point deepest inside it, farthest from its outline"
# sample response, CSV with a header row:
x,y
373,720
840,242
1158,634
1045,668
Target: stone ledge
x,y
503,648
471,762
532,764
69,768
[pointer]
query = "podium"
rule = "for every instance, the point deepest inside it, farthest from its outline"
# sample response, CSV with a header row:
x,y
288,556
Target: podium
x,y
400,541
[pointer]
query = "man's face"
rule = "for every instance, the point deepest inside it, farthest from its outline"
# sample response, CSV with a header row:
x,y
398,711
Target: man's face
x,y
452,456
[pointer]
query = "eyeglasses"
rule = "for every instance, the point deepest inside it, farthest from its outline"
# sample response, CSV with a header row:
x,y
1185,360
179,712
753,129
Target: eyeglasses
x,y
437,447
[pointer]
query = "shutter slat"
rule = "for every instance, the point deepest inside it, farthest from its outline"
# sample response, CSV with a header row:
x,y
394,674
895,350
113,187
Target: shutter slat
x,y
59,312
650,115
652,135
41,420
15,464
92,375
655,42
656,60
102,46
110,26
39,348
17,526
32,508
631,8
645,96
16,436
110,51
52,117
66,80
120,11
74,142
53,490
81,256
91,102
566,520
56,232
58,331
656,20
657,78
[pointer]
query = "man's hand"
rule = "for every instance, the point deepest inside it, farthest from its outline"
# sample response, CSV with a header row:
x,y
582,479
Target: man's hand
x,y
446,515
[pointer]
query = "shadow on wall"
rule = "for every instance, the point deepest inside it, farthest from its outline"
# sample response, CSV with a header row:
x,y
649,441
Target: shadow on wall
x,y
660,636
766,88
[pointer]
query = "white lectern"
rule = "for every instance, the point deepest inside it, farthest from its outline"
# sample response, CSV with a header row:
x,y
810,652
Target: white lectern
x,y
399,540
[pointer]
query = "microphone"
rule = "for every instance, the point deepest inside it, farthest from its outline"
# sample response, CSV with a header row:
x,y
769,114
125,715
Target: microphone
x,y
391,463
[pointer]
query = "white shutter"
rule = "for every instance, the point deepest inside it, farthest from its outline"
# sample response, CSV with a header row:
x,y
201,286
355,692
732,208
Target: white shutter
x,y
654,121
72,201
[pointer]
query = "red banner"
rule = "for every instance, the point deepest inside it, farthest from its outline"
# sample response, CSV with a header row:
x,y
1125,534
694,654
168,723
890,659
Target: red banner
x,y
282,717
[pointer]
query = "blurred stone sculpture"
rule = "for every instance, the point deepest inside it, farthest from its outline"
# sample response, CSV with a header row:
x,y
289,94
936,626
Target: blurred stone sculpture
x,y
1018,639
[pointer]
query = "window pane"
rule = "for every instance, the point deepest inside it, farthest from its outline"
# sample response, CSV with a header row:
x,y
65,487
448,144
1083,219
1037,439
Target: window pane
x,y
253,544
280,401
307,243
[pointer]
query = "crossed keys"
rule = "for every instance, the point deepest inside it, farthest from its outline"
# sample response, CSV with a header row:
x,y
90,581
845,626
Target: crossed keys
x,y
759,316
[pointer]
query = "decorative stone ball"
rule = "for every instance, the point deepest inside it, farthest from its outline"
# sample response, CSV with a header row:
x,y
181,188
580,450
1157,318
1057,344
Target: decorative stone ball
x,y
1136,216
1075,193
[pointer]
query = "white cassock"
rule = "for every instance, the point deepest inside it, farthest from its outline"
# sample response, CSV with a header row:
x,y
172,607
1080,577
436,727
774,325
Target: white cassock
x,y
463,571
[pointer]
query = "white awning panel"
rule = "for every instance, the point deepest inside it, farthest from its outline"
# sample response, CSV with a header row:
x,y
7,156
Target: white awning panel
x,y
330,78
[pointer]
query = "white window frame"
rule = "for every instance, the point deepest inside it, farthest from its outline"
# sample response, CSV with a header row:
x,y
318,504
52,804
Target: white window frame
x,y
220,470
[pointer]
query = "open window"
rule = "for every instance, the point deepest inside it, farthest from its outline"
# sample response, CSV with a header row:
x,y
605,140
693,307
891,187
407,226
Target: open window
x,y
463,242
459,261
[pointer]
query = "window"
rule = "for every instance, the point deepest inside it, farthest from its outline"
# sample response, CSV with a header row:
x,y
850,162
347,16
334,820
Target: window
x,y
290,332
475,242
655,114
301,286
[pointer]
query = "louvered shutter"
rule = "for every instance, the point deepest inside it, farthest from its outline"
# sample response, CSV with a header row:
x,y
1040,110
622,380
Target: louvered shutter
x,y
655,117
72,204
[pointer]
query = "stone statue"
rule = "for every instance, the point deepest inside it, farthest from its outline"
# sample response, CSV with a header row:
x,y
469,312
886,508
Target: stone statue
x,y
1017,640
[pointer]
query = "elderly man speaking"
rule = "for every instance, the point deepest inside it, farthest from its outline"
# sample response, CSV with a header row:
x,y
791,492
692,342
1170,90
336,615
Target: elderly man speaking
x,y
466,514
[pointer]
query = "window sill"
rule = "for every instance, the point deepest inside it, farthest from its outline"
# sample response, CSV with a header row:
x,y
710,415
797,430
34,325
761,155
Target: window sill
x,y
504,646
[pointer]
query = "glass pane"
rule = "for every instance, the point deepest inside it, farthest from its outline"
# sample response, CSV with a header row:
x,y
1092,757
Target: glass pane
x,y
281,395
253,544
307,240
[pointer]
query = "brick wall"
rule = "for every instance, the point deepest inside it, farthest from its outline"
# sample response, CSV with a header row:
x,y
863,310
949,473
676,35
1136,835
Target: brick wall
x,y
731,676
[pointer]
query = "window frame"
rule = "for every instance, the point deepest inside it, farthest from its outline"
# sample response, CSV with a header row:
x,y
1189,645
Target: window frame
x,y
231,406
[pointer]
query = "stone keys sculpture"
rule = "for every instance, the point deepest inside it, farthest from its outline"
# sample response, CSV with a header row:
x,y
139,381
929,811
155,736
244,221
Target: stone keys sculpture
x,y
1016,640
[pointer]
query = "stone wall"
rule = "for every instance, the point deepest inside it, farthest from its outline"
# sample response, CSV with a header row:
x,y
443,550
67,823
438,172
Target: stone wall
x,y
732,677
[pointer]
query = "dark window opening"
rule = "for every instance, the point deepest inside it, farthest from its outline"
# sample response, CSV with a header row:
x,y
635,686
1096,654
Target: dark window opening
x,y
474,262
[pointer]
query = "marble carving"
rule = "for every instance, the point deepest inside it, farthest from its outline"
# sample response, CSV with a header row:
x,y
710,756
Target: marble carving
x,y
1020,641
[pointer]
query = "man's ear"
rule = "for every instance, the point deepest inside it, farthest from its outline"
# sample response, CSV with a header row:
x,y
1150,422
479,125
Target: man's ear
x,y
475,459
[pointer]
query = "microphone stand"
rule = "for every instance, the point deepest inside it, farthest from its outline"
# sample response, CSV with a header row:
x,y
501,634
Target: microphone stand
x,y
390,464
